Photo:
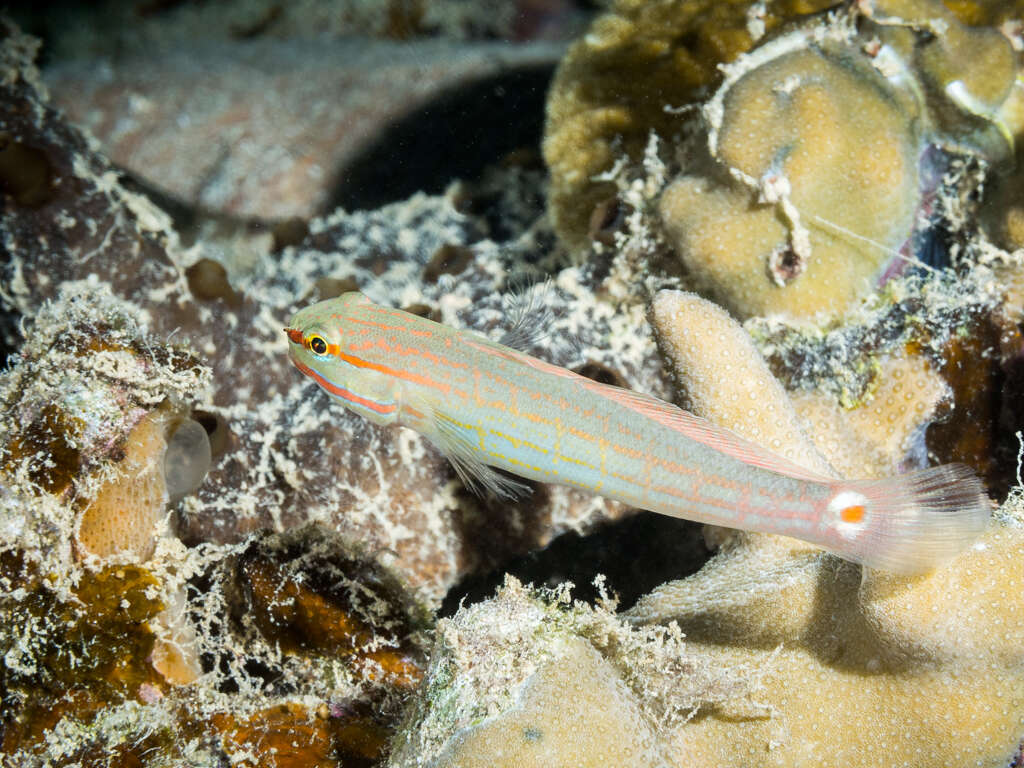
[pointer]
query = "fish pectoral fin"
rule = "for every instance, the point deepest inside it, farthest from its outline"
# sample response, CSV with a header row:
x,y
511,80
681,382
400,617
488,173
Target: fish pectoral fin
x,y
452,440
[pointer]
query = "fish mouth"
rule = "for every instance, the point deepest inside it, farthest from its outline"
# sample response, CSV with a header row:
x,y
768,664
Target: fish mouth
x,y
294,335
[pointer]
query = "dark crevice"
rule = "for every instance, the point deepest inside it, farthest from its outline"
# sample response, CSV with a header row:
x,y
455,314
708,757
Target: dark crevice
x,y
635,554
455,136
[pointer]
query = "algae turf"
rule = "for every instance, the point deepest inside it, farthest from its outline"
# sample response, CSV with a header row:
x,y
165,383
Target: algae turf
x,y
73,653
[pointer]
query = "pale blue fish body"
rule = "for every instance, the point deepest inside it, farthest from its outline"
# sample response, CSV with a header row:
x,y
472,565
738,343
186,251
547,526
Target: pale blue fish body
x,y
489,406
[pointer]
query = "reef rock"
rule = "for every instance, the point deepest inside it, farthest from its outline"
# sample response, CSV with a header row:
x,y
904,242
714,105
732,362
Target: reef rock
x,y
205,562
267,128
88,408
283,457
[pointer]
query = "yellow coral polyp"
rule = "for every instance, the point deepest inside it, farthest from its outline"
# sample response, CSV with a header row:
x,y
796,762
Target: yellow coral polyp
x,y
873,438
822,138
122,517
612,87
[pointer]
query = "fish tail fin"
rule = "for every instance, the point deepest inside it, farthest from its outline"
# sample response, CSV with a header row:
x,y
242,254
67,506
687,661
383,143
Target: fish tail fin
x,y
910,523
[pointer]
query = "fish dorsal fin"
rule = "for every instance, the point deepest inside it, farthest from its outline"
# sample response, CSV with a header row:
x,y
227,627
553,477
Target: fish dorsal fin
x,y
694,427
528,315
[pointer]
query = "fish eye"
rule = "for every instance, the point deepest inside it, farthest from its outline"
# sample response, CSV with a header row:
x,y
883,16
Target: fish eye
x,y
317,345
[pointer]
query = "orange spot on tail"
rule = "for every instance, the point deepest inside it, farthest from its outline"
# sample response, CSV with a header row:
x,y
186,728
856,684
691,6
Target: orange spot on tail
x,y
854,514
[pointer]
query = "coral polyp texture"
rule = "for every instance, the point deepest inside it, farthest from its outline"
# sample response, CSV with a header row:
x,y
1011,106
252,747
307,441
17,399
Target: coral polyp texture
x,y
86,410
814,171
836,154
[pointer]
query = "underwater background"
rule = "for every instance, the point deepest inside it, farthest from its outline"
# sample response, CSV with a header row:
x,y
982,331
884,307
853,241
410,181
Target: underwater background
x,y
803,221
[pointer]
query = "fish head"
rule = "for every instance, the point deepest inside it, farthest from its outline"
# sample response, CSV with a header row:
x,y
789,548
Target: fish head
x,y
323,343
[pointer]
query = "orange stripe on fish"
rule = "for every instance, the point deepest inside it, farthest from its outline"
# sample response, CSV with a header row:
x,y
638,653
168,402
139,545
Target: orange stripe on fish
x,y
341,392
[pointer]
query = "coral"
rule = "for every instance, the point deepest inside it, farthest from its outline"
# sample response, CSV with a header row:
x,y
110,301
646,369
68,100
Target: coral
x,y
971,72
720,388
86,409
582,687
884,434
882,647
91,390
816,662
281,615
878,433
881,652
121,518
612,87
839,145
526,679
817,169
296,737
952,335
